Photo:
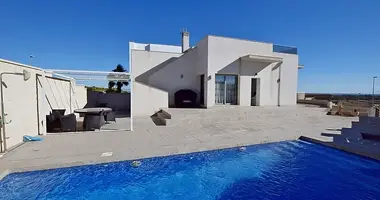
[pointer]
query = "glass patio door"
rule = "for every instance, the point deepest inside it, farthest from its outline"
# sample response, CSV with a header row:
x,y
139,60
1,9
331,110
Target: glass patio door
x,y
225,89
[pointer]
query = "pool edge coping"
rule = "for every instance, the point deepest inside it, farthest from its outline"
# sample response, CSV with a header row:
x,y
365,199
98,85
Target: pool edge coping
x,y
340,148
11,170
4,173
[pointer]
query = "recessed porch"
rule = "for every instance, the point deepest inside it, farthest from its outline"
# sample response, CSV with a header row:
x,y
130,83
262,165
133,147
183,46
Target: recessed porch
x,y
251,80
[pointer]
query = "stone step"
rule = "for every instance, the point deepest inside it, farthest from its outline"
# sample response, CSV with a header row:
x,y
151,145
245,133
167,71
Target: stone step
x,y
161,118
158,119
165,114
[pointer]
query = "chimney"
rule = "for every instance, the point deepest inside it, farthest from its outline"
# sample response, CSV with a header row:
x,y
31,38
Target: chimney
x,y
185,40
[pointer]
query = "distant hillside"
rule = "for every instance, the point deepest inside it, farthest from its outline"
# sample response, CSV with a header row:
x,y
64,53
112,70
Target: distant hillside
x,y
332,97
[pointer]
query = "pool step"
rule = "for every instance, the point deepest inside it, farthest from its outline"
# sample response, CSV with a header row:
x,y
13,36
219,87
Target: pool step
x,y
355,125
366,124
161,118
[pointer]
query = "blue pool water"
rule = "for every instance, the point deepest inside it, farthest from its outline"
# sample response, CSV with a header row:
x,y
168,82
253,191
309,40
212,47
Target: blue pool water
x,y
285,170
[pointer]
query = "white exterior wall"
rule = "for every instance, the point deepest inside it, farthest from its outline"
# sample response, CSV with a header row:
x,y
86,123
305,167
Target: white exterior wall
x,y
289,79
266,77
275,85
19,102
264,82
169,71
25,107
61,94
202,63
143,61
58,93
164,48
147,99
223,58
80,96
179,74
155,47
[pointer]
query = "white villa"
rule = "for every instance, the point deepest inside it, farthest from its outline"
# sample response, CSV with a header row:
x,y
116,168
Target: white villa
x,y
217,71
220,70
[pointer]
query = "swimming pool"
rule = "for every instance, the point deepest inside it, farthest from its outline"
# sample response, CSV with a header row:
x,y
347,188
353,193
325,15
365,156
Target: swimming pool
x,y
284,170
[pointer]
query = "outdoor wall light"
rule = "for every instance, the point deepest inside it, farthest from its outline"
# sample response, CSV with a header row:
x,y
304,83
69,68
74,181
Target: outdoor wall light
x,y
26,74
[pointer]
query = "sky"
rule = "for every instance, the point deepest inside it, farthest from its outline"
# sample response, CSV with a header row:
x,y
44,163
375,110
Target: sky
x,y
338,41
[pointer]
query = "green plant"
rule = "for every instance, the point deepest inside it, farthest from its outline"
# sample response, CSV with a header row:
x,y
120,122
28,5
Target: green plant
x,y
97,89
118,84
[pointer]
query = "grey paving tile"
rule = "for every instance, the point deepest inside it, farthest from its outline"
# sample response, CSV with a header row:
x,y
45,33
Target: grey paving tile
x,y
188,131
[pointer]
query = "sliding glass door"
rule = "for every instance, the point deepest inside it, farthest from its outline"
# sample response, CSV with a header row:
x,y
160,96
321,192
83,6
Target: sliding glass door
x,y
220,87
226,89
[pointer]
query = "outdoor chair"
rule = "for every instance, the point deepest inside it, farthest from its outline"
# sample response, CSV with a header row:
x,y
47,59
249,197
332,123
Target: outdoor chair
x,y
93,122
110,116
69,123
60,111
55,122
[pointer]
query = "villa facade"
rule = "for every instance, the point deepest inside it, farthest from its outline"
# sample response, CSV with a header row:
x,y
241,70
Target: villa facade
x,y
220,70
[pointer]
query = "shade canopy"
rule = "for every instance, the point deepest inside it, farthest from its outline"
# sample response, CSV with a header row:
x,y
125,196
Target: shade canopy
x,y
261,58
90,75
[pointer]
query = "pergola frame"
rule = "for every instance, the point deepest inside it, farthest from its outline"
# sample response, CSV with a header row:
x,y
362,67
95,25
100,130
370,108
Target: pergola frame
x,y
83,75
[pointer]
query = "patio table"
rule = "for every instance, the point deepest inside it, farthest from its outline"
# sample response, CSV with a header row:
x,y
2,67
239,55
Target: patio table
x,y
93,117
94,111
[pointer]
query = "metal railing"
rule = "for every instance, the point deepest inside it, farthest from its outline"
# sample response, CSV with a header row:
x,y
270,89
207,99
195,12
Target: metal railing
x,y
285,49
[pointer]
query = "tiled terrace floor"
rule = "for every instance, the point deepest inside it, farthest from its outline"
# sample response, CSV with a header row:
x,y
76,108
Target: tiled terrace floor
x,y
189,130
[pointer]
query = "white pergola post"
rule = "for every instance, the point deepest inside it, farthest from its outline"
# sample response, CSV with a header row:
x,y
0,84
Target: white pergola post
x,y
131,103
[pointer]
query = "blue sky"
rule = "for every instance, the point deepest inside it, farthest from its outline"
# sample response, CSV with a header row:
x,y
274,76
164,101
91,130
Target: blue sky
x,y
338,41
